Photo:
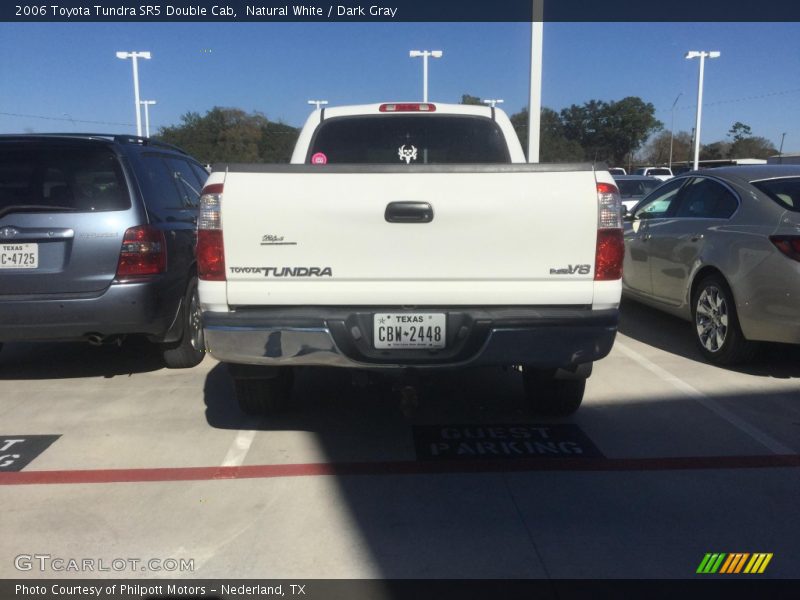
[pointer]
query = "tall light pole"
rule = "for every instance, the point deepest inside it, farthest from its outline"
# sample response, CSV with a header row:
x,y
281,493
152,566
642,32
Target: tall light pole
x,y
135,56
146,104
702,55
493,102
425,54
780,152
535,94
318,103
672,129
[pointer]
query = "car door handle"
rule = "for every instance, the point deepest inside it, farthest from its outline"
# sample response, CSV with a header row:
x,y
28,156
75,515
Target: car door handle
x,y
408,212
696,236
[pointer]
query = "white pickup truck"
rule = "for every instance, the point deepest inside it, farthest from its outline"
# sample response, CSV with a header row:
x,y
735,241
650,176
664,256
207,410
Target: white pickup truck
x,y
408,237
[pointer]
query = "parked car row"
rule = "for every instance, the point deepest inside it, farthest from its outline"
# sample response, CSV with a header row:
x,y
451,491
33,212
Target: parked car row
x,y
97,242
662,173
98,238
632,188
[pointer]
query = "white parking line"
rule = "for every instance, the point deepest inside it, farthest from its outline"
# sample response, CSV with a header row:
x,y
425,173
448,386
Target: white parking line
x,y
239,448
766,440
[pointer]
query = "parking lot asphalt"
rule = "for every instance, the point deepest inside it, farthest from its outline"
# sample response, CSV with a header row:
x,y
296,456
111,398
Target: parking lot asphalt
x,y
159,464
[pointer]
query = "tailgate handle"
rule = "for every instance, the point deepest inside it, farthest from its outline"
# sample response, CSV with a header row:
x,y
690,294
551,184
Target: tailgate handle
x,y
408,212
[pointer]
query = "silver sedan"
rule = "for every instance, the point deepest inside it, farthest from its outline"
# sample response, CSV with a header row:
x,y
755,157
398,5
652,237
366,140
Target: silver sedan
x,y
721,248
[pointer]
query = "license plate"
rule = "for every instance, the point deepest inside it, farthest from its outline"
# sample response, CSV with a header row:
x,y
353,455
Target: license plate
x,y
19,256
409,330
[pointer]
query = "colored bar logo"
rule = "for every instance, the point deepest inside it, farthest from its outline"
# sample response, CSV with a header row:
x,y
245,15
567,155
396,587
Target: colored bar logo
x,y
735,563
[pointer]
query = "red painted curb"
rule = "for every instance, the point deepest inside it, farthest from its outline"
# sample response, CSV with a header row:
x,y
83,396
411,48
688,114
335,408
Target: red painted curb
x,y
399,468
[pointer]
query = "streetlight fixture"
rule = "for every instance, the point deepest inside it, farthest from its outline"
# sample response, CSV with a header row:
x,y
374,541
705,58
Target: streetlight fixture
x,y
702,55
135,56
146,104
318,103
493,102
672,129
425,54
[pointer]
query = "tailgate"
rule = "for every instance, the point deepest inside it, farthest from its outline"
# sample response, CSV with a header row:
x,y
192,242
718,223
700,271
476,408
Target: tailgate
x,y
499,235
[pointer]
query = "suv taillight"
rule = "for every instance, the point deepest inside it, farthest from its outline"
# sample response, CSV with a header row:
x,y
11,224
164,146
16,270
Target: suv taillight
x,y
610,248
788,244
210,249
144,252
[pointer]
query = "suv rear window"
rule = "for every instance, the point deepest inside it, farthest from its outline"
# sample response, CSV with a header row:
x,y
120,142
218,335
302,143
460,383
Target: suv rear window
x,y
658,172
409,139
80,177
785,192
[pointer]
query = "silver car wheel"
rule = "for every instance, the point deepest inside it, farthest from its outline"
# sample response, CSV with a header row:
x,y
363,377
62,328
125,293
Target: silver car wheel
x,y
711,318
196,323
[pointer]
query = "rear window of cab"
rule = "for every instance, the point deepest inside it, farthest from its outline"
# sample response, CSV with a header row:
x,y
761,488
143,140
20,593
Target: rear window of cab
x,y
408,139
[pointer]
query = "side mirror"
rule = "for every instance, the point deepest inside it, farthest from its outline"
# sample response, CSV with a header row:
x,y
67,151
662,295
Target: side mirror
x,y
628,217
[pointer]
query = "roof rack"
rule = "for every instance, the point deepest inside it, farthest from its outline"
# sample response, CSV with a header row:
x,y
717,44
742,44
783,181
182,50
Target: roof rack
x,y
117,137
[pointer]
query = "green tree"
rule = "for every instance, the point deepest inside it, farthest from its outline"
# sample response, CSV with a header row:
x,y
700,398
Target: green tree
x,y
715,150
585,125
610,131
739,131
231,135
752,147
467,99
656,152
553,145
277,142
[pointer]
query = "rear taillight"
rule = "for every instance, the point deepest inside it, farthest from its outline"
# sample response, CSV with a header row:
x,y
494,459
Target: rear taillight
x,y
408,107
609,205
788,244
610,248
610,252
210,249
143,253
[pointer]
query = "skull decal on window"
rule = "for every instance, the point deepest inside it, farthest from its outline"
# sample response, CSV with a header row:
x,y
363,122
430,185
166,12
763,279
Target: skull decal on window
x,y
407,155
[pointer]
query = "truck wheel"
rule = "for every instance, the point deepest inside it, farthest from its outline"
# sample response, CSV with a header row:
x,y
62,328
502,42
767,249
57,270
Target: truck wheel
x,y
550,396
264,396
717,330
190,350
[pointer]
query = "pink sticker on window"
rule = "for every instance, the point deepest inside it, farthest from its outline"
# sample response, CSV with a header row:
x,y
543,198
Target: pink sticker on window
x,y
319,159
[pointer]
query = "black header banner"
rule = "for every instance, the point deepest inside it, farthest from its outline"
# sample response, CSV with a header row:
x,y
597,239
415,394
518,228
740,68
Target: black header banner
x,y
397,11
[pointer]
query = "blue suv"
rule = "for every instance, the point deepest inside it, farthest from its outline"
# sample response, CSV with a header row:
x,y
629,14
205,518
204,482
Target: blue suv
x,y
97,242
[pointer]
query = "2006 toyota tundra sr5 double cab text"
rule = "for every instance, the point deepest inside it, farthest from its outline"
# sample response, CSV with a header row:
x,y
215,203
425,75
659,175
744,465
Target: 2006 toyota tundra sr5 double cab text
x,y
410,236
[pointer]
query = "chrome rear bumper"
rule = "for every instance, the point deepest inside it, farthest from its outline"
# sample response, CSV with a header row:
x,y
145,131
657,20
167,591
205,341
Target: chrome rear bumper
x,y
341,337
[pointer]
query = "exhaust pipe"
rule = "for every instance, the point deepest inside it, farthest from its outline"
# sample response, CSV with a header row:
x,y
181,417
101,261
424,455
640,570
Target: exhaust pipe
x,y
97,339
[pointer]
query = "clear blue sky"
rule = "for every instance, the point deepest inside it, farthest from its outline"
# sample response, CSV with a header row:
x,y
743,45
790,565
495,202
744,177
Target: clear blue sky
x,y
68,71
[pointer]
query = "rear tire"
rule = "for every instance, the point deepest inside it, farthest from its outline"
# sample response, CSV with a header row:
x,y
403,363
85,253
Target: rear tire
x,y
550,396
716,324
264,396
190,350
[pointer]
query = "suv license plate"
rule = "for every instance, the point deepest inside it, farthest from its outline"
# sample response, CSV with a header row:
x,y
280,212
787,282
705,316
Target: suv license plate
x,y
409,330
19,256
